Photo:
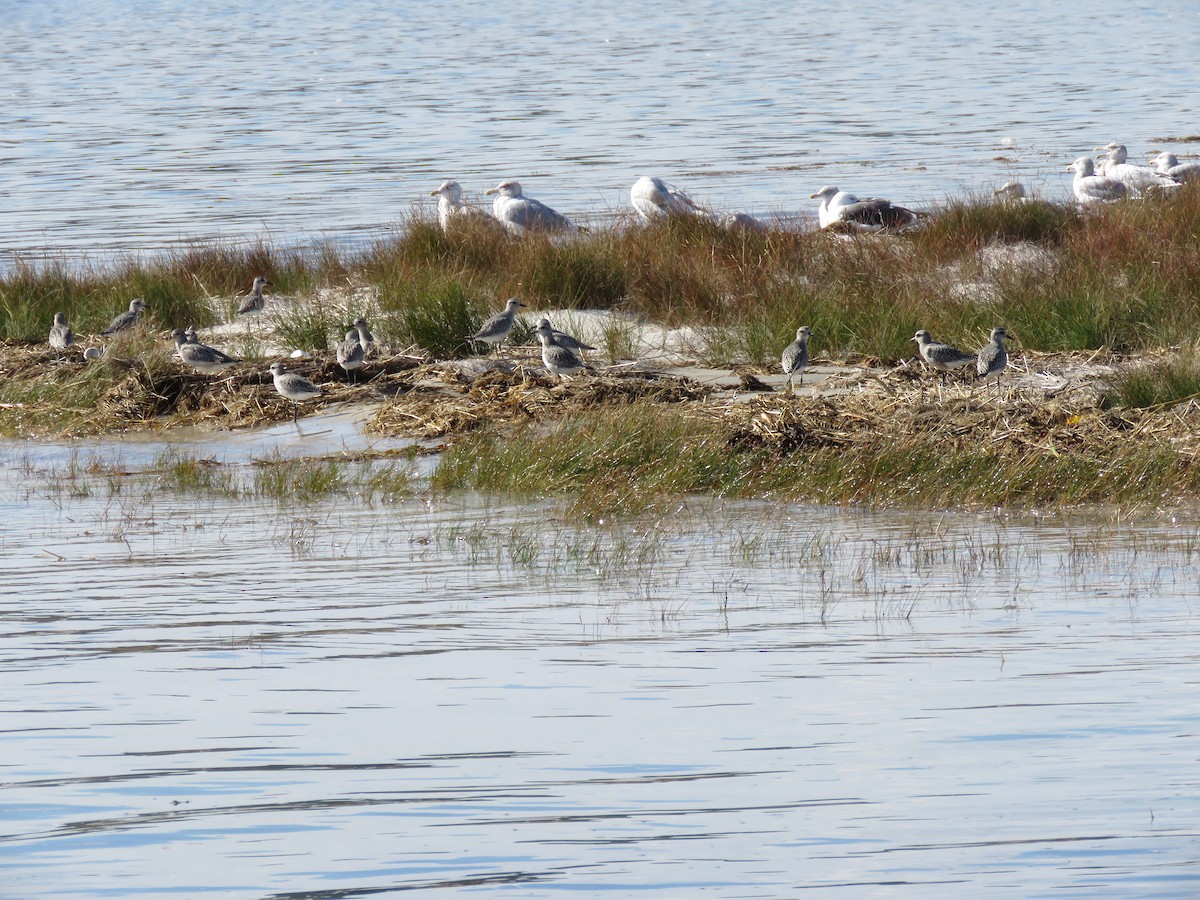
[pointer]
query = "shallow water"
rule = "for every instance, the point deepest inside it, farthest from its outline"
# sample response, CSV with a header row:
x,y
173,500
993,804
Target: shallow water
x,y
736,701
136,127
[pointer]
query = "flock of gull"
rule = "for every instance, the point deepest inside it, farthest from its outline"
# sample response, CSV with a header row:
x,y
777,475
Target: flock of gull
x,y
1113,178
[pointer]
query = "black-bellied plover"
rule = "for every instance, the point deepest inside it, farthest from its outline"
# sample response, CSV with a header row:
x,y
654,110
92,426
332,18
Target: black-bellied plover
x,y
126,320
562,339
350,351
1092,189
294,387
654,199
942,357
364,335
520,214
254,301
795,356
191,334
993,358
61,336
199,356
557,359
496,329
873,214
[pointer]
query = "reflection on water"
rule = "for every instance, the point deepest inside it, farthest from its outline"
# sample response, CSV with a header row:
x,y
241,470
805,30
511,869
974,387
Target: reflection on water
x,y
340,700
289,120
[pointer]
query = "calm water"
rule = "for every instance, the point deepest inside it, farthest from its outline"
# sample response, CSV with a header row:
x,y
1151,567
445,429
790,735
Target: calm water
x,y
454,697
136,125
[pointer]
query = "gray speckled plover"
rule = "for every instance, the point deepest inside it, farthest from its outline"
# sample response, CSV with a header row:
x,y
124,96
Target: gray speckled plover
x,y
562,339
350,351
993,358
126,320
557,359
254,301
61,336
496,329
294,387
795,355
199,356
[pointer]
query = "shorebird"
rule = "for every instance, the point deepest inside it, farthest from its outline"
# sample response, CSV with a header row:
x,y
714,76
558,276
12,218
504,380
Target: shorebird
x,y
193,337
294,387
654,199
350,352
795,356
91,354
199,356
254,301
1169,164
126,320
562,339
874,214
364,335
520,214
496,329
942,357
61,336
556,358
1092,189
993,358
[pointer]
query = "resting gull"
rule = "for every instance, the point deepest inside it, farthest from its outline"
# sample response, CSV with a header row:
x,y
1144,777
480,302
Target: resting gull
x,y
1137,178
1169,164
126,320
1011,192
654,199
451,207
521,214
874,214
61,336
1092,189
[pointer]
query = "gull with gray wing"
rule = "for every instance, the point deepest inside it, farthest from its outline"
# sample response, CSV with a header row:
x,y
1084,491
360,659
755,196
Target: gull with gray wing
x,y
520,214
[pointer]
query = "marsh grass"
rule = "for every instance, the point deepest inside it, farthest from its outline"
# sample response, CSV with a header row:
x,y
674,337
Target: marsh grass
x,y
1125,276
1159,383
875,454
